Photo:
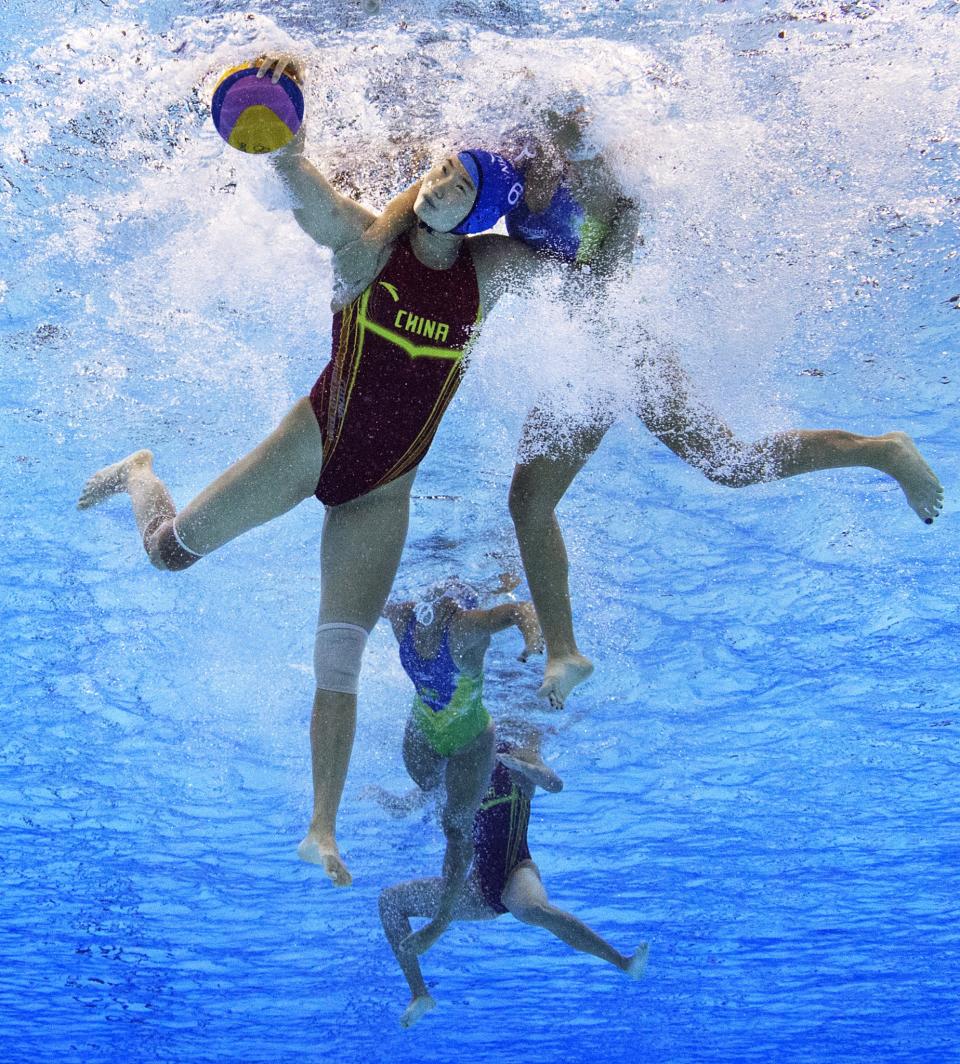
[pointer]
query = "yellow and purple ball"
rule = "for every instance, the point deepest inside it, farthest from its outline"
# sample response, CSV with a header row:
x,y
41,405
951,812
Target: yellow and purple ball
x,y
253,114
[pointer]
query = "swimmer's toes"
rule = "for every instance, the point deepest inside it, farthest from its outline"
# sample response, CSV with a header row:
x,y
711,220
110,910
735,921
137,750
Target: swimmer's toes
x,y
909,468
638,962
548,690
325,855
100,486
337,871
111,480
932,509
561,676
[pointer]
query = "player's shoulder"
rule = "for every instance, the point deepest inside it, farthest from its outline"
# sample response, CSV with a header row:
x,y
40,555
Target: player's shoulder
x,y
493,250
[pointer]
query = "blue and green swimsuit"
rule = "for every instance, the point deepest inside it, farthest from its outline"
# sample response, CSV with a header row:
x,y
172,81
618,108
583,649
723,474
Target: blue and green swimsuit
x,y
564,228
448,707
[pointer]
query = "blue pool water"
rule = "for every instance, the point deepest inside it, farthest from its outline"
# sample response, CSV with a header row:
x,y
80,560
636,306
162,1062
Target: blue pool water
x,y
762,777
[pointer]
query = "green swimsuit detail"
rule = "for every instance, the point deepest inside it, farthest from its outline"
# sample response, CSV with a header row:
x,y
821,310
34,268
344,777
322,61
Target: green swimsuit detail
x,y
448,707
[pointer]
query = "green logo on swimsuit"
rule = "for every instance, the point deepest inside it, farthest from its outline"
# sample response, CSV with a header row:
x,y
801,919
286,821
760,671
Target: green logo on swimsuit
x,y
592,235
413,324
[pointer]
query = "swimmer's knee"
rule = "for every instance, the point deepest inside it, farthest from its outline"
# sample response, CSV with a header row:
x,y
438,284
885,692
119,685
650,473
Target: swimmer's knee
x,y
426,777
165,548
391,905
733,476
737,464
729,471
518,500
458,831
153,553
337,654
387,901
527,500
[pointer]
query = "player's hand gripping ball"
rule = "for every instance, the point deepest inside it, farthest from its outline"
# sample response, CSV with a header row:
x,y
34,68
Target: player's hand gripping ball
x,y
253,114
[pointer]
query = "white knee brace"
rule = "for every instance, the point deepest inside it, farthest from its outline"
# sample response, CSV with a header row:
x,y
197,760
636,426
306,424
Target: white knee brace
x,y
336,656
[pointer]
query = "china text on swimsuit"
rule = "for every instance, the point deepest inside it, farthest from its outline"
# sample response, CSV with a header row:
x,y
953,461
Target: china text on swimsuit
x,y
397,362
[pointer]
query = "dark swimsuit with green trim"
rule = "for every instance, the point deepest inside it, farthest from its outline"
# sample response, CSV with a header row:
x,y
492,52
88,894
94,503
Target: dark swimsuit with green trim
x,y
500,835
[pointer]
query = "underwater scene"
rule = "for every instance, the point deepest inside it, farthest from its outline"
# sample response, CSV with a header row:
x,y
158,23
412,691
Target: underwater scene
x,y
761,777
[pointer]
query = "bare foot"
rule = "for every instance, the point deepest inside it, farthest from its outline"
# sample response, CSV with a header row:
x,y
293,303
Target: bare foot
x,y
417,1008
112,479
923,490
562,675
315,849
637,964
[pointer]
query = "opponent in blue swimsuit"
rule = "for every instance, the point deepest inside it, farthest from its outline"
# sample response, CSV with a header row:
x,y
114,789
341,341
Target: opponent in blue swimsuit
x,y
563,229
448,707
443,640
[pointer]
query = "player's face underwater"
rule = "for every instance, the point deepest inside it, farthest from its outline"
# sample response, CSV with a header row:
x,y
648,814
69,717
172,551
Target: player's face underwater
x,y
446,195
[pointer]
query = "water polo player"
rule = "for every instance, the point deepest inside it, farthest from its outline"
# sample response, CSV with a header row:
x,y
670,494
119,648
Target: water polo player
x,y
587,221
443,639
502,879
355,442
575,211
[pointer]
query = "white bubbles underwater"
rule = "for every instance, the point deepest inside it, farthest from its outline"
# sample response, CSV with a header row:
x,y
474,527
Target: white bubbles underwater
x,y
762,776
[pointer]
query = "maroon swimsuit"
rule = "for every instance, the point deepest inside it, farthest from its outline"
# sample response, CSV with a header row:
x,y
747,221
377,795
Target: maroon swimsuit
x,y
397,361
500,835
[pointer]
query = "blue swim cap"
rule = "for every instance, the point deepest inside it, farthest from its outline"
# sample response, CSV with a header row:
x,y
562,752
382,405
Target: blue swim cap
x,y
462,594
499,189
458,591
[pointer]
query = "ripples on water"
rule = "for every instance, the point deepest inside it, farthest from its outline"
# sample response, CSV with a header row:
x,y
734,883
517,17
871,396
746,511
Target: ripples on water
x,y
762,778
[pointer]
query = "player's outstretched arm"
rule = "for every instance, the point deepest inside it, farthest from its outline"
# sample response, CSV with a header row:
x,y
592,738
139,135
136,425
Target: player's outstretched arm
x,y
479,625
329,218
